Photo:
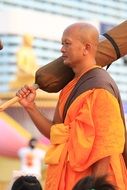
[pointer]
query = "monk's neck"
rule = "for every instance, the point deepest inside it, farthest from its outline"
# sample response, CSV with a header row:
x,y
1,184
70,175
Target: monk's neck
x,y
78,72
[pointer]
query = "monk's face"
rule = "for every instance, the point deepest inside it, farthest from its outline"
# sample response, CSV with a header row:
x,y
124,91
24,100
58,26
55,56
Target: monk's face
x,y
79,44
72,48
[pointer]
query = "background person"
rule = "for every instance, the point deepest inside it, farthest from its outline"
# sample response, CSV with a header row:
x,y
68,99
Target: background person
x,y
26,183
31,159
92,183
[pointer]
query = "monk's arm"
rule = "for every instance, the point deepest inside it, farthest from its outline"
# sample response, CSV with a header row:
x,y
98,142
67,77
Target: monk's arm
x,y
101,167
42,123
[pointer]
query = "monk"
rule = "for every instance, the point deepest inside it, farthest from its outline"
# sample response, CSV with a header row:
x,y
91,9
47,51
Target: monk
x,y
87,133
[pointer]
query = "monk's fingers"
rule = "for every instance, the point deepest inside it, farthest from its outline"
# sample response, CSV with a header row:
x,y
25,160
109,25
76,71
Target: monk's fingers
x,y
23,92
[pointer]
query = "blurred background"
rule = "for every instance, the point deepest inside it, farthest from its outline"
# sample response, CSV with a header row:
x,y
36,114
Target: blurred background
x,y
34,28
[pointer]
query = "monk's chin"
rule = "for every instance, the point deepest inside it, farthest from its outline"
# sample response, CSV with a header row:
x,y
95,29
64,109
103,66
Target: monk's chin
x,y
67,63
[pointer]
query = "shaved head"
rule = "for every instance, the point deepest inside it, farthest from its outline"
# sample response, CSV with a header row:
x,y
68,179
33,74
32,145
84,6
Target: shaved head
x,y
84,32
79,46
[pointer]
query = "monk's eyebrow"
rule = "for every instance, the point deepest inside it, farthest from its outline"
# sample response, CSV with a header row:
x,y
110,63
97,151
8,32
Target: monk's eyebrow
x,y
66,41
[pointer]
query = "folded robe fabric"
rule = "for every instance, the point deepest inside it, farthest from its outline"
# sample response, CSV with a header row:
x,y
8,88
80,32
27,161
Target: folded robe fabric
x,y
78,149
55,75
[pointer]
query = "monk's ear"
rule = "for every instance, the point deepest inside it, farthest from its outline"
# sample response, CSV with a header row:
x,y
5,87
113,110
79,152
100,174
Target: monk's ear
x,y
87,48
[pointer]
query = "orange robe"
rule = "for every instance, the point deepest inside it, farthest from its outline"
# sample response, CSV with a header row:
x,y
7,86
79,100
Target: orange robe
x,y
93,129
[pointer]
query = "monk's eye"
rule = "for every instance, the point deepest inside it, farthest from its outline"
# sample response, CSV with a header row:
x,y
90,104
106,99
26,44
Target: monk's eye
x,y
67,44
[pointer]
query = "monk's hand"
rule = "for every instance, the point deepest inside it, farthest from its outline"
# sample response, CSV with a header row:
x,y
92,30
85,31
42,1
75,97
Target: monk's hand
x,y
26,95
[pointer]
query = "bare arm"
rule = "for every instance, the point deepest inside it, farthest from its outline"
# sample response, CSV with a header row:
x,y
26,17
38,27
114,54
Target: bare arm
x,y
27,96
101,167
42,123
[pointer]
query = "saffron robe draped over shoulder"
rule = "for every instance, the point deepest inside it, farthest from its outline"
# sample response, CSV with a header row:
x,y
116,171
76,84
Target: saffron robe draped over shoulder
x,y
93,129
